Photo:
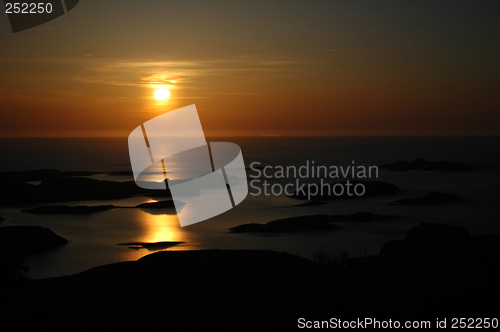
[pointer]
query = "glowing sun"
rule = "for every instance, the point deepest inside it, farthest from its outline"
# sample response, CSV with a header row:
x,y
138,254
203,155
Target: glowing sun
x,y
162,94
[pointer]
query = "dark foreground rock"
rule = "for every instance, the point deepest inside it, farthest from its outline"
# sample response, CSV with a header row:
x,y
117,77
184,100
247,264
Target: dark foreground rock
x,y
433,198
18,242
424,165
317,222
248,290
338,190
29,240
441,241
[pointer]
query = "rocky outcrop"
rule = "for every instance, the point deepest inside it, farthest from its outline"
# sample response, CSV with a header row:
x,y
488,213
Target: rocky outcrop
x,y
433,198
330,192
441,241
294,224
28,240
85,209
17,242
65,189
424,165
66,209
151,245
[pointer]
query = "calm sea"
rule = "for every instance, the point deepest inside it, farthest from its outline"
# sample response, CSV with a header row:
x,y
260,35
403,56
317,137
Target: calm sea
x,y
93,239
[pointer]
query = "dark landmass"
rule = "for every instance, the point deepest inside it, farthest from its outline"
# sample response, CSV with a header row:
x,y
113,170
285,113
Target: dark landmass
x,y
57,186
312,203
29,240
157,205
151,245
428,240
436,271
372,188
121,173
41,174
433,198
2,219
66,209
85,209
18,242
424,165
307,223
317,222
360,217
66,189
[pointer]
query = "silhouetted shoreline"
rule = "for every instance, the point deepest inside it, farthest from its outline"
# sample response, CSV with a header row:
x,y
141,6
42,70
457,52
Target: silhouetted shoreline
x,y
246,289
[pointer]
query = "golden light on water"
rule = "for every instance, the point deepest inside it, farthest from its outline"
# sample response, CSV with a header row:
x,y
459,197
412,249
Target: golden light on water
x,y
162,227
162,94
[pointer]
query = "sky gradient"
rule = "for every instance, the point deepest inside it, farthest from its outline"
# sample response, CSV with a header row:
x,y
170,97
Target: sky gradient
x,y
257,68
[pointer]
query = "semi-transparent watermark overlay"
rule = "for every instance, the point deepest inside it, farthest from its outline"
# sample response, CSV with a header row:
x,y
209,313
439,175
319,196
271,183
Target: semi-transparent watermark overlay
x,y
310,179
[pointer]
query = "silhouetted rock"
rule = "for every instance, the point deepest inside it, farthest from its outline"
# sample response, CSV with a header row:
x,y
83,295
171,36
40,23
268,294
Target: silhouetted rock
x,y
430,240
28,240
245,290
65,209
151,245
157,205
424,165
307,223
121,173
66,189
79,173
359,217
2,219
294,224
85,209
35,175
41,174
433,198
371,188
312,203
17,242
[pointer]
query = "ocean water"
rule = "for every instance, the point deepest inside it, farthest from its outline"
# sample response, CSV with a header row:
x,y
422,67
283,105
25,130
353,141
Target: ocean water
x,y
93,239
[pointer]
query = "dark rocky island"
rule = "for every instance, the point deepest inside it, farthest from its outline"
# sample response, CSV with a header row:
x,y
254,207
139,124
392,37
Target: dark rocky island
x,y
311,203
307,223
66,209
360,217
121,173
433,198
372,188
18,242
85,209
317,222
157,205
424,165
151,245
66,189
41,174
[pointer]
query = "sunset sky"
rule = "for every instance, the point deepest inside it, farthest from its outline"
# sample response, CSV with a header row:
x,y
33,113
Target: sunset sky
x,y
257,67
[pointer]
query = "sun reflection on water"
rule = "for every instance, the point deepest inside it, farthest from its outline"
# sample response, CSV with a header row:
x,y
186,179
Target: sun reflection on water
x,y
162,227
